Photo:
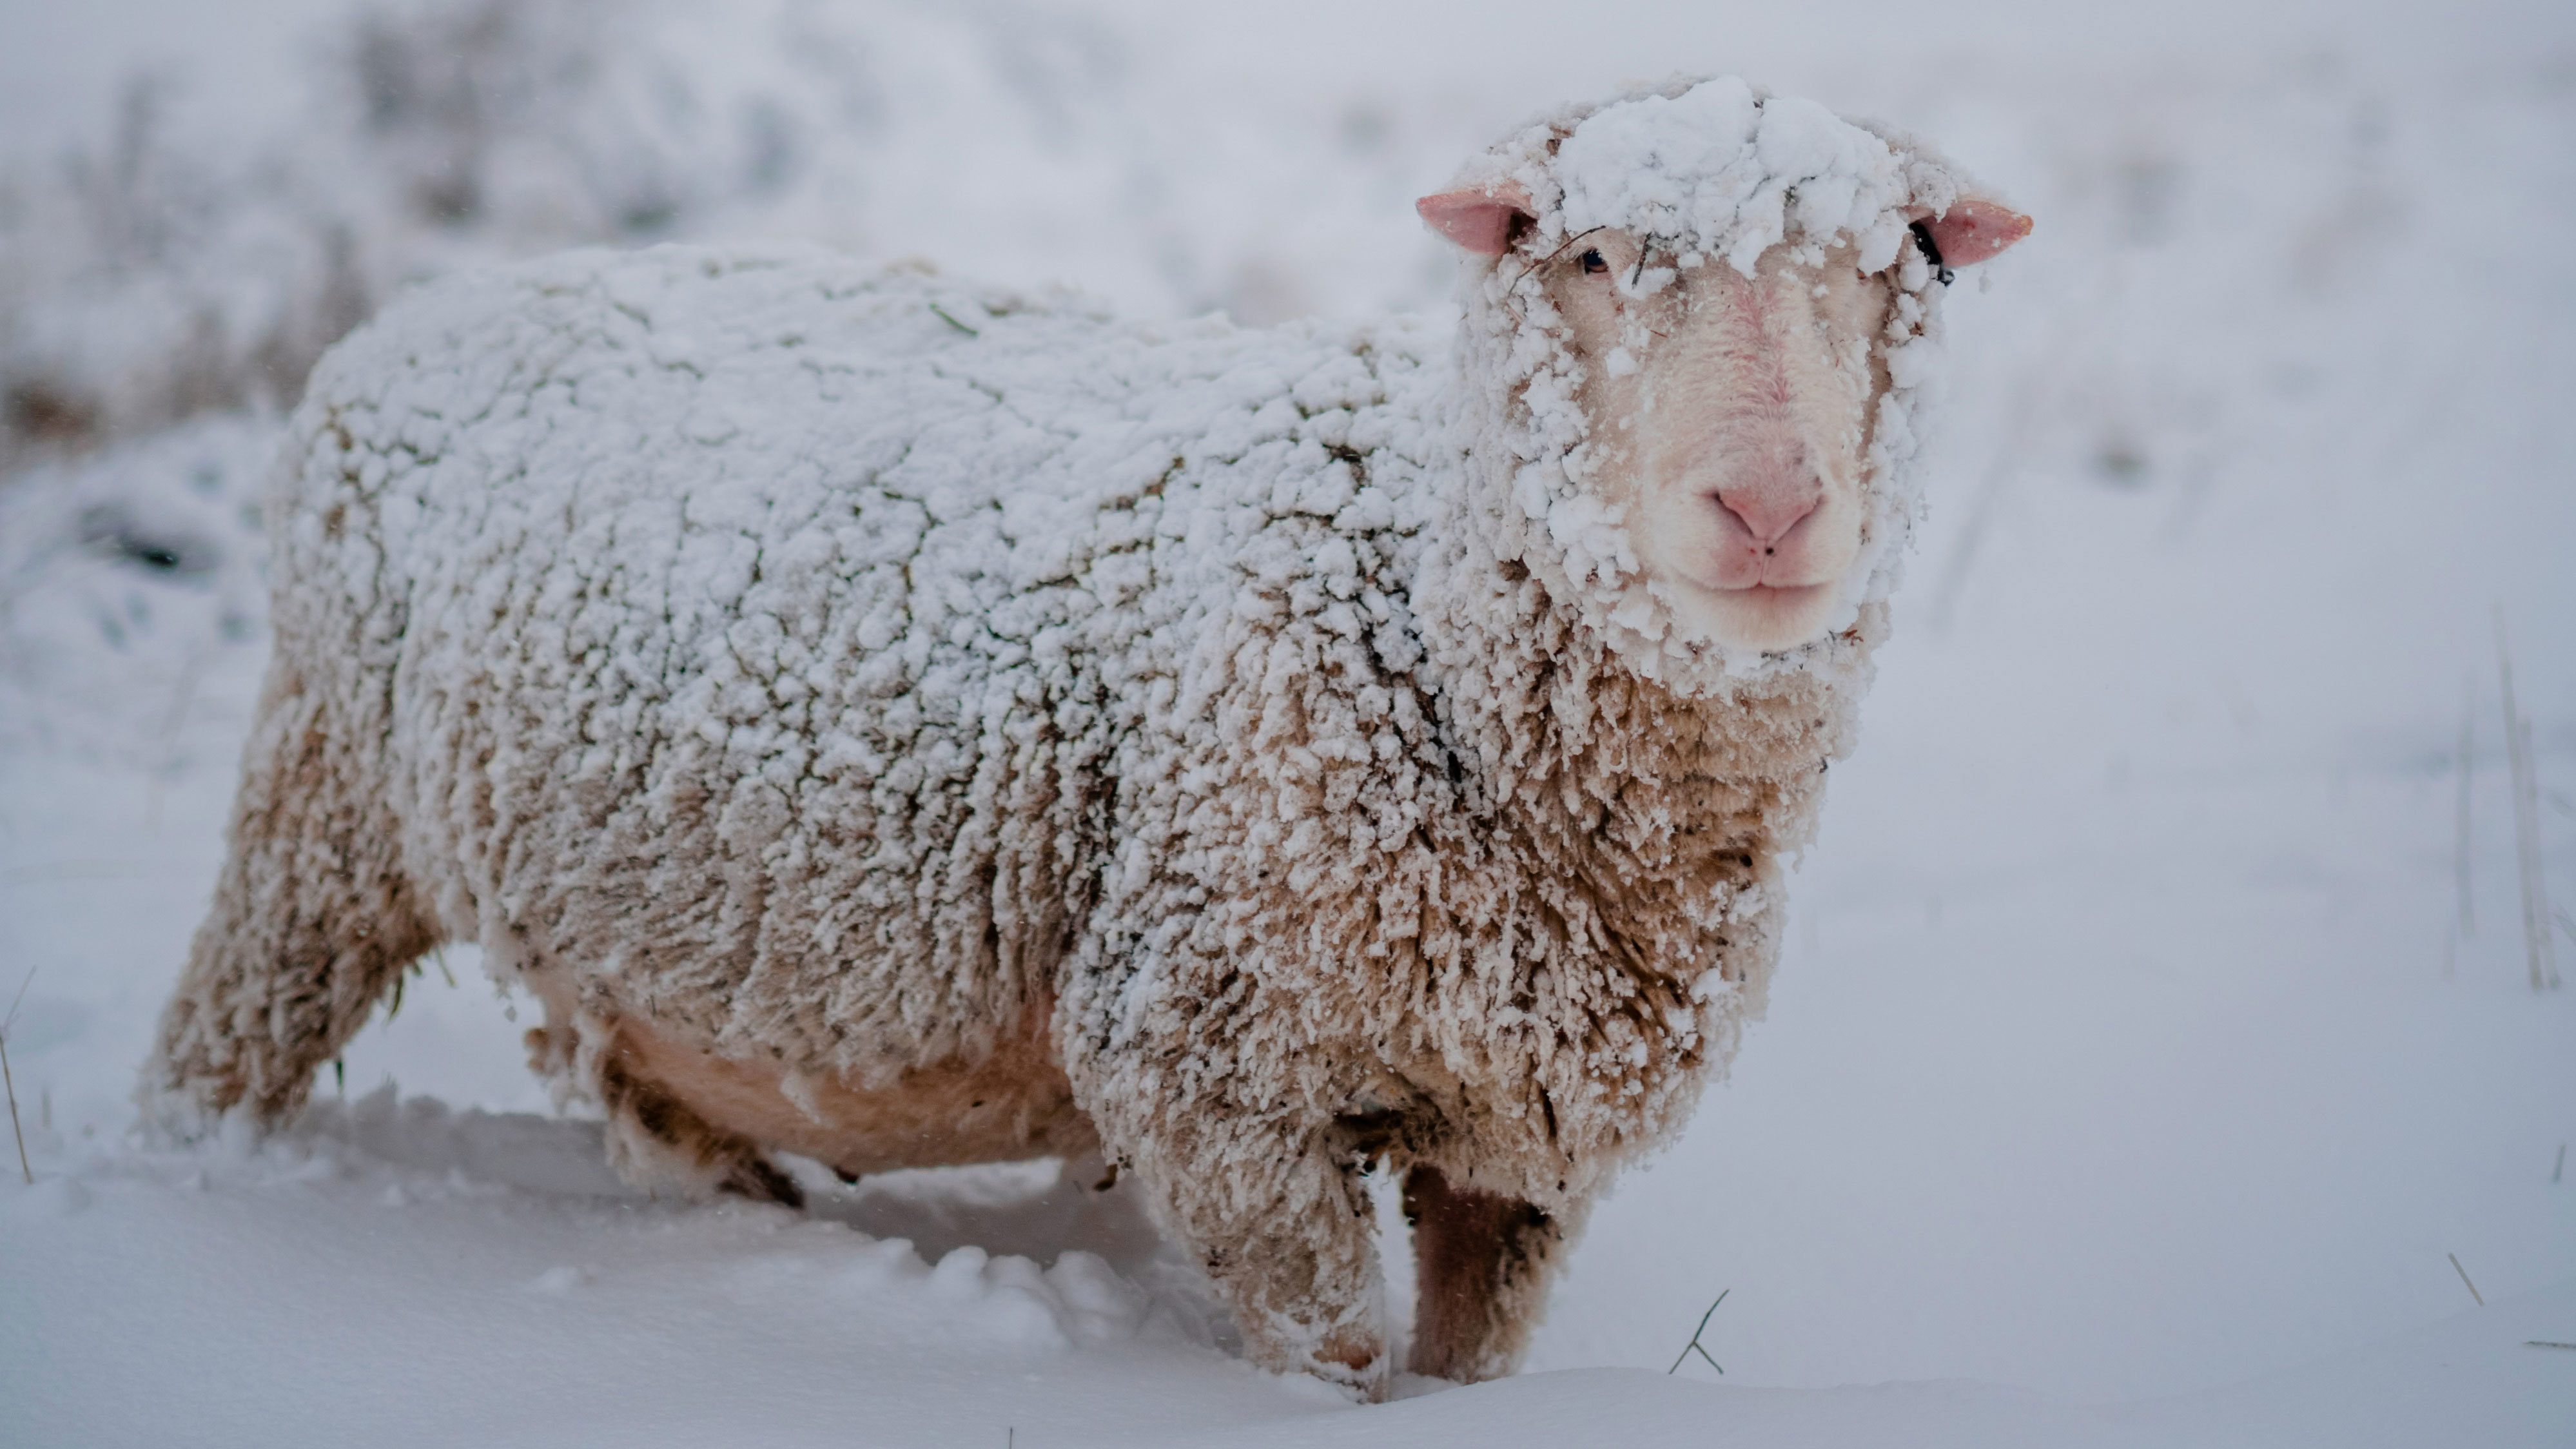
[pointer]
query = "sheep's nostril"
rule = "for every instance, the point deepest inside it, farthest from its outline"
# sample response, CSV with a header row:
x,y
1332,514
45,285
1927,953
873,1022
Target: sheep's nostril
x,y
1771,514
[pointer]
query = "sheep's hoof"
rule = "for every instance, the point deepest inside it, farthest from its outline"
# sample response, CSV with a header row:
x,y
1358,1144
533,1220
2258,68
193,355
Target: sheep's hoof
x,y
1355,1359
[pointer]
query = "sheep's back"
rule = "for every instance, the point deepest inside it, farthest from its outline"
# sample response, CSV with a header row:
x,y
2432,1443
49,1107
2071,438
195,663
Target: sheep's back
x,y
752,631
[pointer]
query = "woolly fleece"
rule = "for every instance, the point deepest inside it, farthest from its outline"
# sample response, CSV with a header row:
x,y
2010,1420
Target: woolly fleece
x,y
857,671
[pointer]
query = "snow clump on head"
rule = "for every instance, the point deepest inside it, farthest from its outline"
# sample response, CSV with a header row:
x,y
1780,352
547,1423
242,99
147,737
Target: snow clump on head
x,y
1720,170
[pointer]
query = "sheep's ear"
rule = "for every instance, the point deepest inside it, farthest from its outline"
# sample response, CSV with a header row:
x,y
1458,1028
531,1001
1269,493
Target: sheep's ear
x,y
1974,229
1478,218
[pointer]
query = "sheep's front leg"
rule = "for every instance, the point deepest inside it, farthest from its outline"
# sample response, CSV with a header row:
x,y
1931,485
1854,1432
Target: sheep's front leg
x,y
1283,1225
1481,1267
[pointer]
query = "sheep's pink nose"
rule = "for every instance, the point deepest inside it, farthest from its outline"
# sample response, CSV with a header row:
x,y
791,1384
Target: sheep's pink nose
x,y
1769,513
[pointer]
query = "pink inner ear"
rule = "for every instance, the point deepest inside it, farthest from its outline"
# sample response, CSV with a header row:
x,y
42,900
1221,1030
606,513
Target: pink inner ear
x,y
1478,219
1975,229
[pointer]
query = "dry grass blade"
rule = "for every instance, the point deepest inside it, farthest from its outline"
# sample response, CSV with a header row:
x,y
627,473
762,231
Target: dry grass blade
x,y
2464,1277
1693,1346
2468,770
25,1172
2538,945
10,1083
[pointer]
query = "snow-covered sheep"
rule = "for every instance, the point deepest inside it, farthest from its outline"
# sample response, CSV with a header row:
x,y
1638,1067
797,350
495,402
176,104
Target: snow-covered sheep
x,y
900,723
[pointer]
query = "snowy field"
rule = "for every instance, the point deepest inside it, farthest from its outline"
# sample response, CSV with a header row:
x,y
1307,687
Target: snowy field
x,y
2156,1059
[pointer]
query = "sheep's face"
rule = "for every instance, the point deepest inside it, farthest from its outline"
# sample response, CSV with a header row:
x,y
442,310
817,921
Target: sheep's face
x,y
1683,310
1727,418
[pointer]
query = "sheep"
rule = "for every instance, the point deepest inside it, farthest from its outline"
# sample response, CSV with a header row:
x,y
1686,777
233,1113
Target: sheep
x,y
897,722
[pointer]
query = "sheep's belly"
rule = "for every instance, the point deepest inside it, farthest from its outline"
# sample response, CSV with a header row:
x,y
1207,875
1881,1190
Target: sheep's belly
x,y
1012,1105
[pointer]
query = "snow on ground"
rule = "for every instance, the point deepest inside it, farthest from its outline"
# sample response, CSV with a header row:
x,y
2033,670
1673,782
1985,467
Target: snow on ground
x,y
2137,1066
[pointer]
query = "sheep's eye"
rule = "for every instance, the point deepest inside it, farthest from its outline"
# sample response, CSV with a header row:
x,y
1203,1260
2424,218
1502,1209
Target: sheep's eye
x,y
1593,266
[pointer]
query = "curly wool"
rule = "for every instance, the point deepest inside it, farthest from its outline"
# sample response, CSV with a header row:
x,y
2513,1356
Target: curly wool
x,y
774,625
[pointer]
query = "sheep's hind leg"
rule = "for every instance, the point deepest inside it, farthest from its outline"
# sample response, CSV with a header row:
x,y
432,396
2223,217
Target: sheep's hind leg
x,y
1481,1267
313,922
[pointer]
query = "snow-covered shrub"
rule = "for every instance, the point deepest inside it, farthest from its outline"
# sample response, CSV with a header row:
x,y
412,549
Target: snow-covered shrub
x,y
148,279
124,576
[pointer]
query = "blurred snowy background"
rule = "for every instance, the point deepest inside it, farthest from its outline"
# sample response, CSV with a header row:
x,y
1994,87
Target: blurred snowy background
x,y
2160,1009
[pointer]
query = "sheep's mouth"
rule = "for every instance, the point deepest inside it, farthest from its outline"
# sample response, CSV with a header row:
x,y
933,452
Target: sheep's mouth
x,y
1766,617
1769,607
1777,595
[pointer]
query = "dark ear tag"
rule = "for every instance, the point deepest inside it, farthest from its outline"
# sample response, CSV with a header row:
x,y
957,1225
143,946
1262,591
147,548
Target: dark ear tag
x,y
1931,252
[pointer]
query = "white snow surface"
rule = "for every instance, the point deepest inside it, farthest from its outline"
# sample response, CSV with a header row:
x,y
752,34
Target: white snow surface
x,y
2153,1029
